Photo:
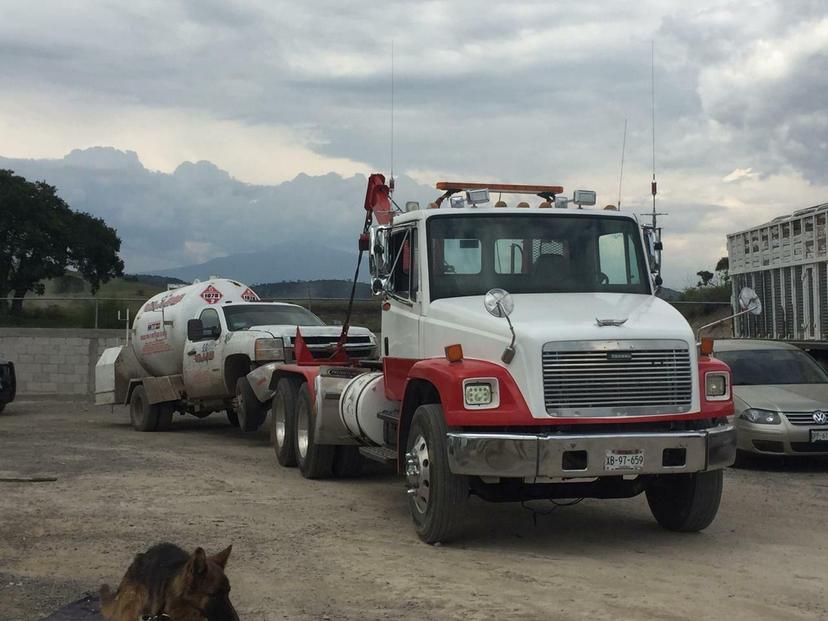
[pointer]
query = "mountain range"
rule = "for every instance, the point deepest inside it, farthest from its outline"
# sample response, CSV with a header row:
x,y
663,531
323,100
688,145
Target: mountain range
x,y
200,221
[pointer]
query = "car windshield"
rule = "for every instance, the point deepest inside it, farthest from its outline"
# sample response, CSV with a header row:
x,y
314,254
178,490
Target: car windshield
x,y
757,367
244,316
532,253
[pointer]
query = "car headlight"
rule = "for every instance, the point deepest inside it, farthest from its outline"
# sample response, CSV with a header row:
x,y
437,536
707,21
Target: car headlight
x,y
269,349
716,387
481,393
760,417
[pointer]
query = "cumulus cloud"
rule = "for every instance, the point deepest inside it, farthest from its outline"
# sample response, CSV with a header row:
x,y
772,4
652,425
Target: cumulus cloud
x,y
525,91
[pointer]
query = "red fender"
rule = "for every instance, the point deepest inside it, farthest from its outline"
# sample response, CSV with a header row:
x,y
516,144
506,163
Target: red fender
x,y
309,373
447,377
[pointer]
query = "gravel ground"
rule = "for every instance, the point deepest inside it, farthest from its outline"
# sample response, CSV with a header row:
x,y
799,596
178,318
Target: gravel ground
x,y
346,549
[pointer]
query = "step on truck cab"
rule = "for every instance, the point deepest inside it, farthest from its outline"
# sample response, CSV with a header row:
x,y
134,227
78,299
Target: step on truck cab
x,y
524,355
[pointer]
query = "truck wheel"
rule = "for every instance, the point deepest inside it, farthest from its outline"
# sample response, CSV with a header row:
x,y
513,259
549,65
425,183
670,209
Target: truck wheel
x,y
283,422
347,462
144,416
165,415
315,461
435,495
685,502
232,417
249,410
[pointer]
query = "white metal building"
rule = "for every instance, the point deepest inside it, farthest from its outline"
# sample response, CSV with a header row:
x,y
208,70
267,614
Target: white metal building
x,y
786,262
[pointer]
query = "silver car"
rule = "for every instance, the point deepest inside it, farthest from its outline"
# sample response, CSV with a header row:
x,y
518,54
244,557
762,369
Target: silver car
x,y
780,397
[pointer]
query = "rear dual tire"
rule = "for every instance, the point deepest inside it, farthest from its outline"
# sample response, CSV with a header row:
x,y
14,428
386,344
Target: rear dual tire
x,y
315,461
283,421
146,416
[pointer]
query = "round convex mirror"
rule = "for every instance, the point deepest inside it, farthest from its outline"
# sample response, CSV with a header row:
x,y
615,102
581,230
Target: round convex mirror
x,y
499,302
749,301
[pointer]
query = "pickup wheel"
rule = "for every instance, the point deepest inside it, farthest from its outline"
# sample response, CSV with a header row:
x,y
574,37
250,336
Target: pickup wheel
x,y
685,502
232,417
315,461
2,406
283,421
249,410
347,462
142,413
436,496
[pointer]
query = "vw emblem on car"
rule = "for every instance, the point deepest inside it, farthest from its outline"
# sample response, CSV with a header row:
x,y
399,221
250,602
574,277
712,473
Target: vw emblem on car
x,y
820,417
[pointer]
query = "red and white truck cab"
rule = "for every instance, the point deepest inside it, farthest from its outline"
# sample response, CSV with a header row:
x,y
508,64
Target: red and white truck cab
x,y
524,355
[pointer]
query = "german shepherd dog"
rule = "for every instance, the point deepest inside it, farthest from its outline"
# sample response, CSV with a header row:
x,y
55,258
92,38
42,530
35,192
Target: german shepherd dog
x,y
167,583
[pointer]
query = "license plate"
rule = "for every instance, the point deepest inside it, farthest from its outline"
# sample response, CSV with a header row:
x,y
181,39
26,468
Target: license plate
x,y
819,435
624,459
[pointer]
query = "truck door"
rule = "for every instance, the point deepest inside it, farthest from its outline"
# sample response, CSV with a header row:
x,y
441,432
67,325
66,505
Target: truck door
x,y
203,358
401,322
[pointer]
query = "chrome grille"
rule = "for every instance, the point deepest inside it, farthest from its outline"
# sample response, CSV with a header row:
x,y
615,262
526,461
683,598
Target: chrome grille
x,y
803,418
617,378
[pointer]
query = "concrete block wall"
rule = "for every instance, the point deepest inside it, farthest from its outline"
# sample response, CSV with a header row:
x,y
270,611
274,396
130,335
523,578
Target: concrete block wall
x,y
56,362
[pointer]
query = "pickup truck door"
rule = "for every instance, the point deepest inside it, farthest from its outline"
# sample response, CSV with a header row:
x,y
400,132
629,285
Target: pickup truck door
x,y
203,359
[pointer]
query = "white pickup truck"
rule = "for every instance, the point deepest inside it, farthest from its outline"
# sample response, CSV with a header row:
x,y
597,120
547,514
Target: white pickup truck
x,y
192,348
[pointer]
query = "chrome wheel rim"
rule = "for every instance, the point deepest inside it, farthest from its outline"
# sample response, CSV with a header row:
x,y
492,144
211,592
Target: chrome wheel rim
x,y
302,431
418,474
279,423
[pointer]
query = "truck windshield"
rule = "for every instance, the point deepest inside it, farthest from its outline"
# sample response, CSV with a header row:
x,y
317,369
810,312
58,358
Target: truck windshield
x,y
245,316
763,367
534,253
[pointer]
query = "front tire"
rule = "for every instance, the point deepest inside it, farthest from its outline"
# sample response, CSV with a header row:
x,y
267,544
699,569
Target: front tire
x,y
315,461
283,421
142,413
249,410
436,496
686,502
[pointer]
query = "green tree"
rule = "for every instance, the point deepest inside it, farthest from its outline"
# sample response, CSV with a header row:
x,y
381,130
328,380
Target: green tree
x,y
705,277
40,236
723,270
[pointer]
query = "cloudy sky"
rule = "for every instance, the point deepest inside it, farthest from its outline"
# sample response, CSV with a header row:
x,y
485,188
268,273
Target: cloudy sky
x,y
514,92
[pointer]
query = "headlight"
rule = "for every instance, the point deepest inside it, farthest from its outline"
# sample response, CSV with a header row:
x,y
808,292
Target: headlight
x,y
269,349
481,393
760,417
716,387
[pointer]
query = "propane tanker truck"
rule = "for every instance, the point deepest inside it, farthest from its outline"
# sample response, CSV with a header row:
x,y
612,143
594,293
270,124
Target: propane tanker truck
x,y
192,348
524,355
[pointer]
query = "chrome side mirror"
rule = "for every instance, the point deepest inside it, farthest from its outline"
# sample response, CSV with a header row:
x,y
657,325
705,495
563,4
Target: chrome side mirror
x,y
499,303
378,256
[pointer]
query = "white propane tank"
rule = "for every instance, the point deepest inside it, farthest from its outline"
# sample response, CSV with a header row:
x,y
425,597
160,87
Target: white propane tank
x,y
362,399
159,331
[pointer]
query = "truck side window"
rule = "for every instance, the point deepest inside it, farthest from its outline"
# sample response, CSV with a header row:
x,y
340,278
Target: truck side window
x,y
211,323
617,259
403,254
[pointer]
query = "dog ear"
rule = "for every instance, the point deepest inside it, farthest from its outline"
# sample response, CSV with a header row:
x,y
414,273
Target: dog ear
x,y
198,561
221,557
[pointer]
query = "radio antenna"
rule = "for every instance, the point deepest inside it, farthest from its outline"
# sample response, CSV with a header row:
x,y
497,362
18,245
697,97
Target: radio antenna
x,y
391,179
621,175
654,186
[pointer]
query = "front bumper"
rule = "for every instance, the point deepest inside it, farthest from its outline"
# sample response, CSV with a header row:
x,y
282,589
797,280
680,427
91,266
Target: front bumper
x,y
530,456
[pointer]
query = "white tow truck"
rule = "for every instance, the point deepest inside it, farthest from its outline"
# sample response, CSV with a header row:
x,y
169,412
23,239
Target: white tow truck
x,y
524,355
192,348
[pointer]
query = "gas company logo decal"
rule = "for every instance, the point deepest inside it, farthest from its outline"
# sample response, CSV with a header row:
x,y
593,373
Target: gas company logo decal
x,y
249,295
170,300
211,295
207,353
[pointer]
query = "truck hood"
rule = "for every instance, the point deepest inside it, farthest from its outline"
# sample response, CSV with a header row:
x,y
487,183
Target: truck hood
x,y
785,397
569,317
288,332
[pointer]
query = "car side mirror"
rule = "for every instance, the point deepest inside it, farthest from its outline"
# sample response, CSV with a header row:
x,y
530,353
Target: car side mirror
x,y
195,330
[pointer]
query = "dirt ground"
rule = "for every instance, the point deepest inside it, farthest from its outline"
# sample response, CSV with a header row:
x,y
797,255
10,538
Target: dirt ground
x,y
346,549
